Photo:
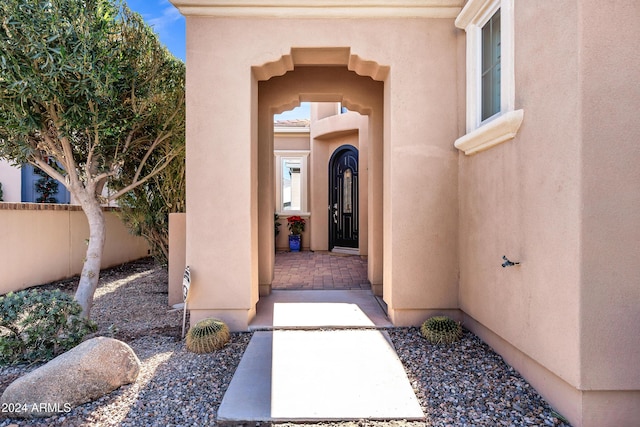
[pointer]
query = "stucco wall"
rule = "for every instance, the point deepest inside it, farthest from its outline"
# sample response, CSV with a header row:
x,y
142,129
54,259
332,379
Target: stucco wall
x,y
522,199
177,264
562,199
43,243
293,141
610,188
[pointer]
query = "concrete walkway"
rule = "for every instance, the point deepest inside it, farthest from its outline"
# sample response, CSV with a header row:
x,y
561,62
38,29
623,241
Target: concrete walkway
x,y
319,356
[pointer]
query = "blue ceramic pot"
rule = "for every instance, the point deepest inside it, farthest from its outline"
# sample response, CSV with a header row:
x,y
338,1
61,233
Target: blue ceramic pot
x,y
295,242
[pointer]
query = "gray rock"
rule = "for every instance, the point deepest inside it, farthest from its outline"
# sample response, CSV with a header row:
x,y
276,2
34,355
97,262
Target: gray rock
x,y
85,373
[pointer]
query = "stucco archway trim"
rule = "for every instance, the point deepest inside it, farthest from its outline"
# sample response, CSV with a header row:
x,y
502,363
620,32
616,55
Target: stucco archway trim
x,y
322,56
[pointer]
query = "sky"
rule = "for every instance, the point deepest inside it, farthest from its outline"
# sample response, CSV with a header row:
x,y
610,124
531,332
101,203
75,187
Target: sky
x,y
169,24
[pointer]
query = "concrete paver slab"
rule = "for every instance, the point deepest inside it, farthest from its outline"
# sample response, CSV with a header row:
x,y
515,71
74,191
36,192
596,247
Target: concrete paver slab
x,y
319,376
323,357
248,398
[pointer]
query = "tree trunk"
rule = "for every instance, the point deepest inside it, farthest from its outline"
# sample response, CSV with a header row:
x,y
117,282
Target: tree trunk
x,y
91,269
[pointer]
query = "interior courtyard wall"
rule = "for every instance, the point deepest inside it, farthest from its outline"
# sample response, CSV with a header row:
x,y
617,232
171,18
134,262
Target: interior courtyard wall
x,y
297,141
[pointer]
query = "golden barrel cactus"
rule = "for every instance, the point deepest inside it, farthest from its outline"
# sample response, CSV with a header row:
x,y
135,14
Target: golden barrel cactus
x,y
441,330
207,336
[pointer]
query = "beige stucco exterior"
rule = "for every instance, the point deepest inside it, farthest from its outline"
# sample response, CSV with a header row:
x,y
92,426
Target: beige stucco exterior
x,y
330,81
41,243
559,194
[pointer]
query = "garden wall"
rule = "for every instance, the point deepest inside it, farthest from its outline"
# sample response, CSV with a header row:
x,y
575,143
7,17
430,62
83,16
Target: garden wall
x,y
40,243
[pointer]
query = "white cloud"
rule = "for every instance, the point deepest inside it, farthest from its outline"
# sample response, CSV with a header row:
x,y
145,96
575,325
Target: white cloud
x,y
169,15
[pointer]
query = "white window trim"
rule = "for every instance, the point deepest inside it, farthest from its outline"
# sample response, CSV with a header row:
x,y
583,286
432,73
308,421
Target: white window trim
x,y
503,126
304,176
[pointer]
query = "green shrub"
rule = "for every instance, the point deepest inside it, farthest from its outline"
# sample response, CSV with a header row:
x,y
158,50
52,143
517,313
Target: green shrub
x,y
207,335
441,330
38,325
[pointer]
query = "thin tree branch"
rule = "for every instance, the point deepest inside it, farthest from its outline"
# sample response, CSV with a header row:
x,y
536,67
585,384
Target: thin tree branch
x,y
127,143
92,146
148,154
134,184
49,146
104,175
68,160
48,169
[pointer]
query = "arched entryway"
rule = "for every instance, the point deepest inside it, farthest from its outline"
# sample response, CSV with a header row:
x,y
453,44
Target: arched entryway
x,y
243,70
324,83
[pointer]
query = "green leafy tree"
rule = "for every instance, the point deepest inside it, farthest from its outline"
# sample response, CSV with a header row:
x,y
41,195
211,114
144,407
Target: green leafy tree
x,y
88,84
145,209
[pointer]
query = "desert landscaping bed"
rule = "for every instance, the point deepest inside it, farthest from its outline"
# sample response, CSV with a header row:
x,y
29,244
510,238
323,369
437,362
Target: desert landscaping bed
x,y
464,384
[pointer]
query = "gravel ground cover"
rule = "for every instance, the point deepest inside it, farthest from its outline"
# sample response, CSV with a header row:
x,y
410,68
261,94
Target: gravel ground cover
x,y
465,384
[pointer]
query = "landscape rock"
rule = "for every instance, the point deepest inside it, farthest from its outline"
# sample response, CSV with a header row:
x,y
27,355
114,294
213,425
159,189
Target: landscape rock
x,y
85,373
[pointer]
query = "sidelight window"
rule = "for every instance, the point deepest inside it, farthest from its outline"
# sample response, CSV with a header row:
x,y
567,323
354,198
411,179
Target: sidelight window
x,y
291,181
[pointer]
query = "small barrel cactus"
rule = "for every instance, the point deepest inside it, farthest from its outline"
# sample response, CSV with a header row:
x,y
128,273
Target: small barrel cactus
x,y
441,330
207,335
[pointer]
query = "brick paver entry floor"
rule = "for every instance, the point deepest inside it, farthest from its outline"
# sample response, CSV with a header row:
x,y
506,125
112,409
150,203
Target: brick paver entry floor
x,y
319,270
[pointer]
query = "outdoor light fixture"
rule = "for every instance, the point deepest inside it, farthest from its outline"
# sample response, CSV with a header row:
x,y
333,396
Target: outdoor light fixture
x,y
507,262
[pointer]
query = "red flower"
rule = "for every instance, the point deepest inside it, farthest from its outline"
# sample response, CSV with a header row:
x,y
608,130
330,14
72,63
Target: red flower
x,y
296,224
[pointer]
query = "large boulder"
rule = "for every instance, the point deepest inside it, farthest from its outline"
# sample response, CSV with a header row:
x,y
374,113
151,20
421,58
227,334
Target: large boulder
x,y
85,373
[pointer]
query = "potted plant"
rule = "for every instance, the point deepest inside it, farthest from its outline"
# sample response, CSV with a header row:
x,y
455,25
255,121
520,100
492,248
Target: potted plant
x,y
276,223
296,227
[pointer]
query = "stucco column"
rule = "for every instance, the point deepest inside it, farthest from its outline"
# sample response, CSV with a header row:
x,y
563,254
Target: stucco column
x,y
222,202
266,197
375,198
421,188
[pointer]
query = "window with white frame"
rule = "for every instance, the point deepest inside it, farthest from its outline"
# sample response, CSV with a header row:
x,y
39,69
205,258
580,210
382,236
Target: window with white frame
x,y
291,181
490,70
491,115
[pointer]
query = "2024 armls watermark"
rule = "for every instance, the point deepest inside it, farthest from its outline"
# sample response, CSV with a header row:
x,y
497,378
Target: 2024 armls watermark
x,y
31,408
